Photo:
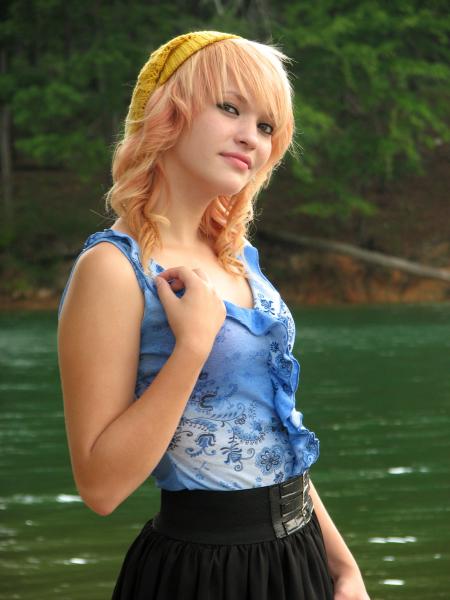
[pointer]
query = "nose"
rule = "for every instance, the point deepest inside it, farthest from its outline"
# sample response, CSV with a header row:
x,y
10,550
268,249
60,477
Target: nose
x,y
247,132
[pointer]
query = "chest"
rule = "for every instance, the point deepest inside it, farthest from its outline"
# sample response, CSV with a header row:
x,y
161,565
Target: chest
x,y
233,288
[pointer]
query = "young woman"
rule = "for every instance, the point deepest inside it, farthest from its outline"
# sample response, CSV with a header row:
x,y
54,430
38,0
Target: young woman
x,y
175,350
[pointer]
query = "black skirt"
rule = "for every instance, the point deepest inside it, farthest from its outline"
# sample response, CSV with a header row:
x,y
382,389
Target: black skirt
x,y
255,544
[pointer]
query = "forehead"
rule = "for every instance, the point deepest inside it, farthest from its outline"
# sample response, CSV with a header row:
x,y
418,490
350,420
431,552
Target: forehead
x,y
243,95
231,86
233,92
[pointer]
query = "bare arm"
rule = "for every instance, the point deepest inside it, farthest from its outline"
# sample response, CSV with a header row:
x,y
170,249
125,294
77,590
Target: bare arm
x,y
341,563
115,441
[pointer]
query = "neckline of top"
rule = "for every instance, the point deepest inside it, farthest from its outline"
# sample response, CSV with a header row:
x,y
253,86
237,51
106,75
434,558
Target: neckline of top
x,y
161,268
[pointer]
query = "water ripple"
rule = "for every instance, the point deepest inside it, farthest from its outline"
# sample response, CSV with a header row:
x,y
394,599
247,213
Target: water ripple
x,y
393,540
35,499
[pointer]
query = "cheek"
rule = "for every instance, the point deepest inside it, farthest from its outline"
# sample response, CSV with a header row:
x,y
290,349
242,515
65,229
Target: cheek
x,y
192,146
266,154
205,136
214,128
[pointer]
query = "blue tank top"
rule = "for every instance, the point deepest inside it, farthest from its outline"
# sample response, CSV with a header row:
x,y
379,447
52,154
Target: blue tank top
x,y
240,427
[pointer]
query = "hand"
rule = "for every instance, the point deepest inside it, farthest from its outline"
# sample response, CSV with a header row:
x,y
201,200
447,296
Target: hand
x,y
350,586
196,317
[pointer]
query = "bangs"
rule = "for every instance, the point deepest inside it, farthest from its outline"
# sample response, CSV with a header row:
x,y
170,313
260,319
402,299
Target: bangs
x,y
256,68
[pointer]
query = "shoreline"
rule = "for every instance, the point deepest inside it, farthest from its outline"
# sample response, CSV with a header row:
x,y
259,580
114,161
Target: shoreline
x,y
312,295
306,278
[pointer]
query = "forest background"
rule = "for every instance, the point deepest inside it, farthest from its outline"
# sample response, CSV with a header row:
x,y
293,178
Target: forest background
x,y
372,112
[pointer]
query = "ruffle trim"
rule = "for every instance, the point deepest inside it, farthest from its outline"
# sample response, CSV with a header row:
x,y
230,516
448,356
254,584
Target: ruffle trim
x,y
285,374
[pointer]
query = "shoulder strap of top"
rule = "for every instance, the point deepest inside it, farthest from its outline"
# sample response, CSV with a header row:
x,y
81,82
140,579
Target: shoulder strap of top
x,y
251,255
126,244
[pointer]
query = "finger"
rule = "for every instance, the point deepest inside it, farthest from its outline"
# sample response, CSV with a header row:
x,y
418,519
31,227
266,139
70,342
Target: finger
x,y
165,292
176,284
186,275
180,272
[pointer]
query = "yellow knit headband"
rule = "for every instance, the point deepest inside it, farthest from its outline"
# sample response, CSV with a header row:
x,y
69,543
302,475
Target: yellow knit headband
x,y
162,63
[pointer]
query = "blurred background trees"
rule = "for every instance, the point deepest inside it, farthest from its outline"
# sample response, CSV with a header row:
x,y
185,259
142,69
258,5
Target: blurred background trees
x,y
371,82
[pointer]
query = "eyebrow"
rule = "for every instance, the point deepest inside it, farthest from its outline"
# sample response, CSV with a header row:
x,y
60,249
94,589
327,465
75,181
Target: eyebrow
x,y
241,98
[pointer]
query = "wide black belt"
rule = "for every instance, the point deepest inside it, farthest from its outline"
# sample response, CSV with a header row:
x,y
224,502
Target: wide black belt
x,y
291,505
237,516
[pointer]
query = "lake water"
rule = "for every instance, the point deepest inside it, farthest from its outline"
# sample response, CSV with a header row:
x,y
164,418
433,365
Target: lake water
x,y
375,388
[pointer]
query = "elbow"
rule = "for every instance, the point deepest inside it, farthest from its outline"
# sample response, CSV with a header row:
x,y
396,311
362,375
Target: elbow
x,y
99,506
100,509
97,501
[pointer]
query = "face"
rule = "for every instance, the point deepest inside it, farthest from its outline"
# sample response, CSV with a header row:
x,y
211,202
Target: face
x,y
236,126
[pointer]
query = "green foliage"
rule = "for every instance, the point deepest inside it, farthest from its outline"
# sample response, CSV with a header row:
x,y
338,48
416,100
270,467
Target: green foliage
x,y
71,69
371,82
372,94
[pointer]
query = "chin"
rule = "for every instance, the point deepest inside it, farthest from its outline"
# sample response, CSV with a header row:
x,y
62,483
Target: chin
x,y
232,190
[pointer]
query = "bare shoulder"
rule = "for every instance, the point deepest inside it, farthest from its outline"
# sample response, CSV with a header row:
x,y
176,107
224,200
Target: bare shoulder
x,y
106,260
103,273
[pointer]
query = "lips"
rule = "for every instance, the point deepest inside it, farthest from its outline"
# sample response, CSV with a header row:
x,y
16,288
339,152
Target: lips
x,y
241,157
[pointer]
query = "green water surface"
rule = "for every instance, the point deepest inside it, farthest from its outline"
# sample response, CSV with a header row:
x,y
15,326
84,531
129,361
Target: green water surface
x,y
374,387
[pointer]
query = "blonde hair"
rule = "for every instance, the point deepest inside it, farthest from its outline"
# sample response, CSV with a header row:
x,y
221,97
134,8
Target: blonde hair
x,y
138,176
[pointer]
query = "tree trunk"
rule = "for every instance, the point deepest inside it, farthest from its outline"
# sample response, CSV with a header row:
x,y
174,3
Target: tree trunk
x,y
392,262
6,161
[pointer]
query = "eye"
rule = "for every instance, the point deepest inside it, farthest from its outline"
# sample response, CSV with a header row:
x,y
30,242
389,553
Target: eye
x,y
270,126
225,104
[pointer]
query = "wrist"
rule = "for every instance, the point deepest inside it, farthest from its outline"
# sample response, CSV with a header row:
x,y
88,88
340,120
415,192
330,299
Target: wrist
x,y
195,352
344,569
